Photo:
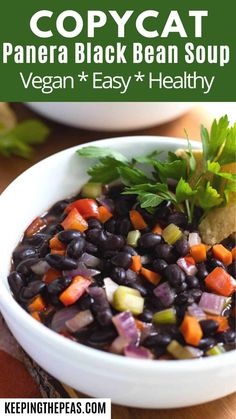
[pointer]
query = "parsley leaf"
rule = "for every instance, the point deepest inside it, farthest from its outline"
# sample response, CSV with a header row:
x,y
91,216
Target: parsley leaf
x,y
92,152
175,169
106,171
214,167
228,154
208,197
132,176
150,200
183,191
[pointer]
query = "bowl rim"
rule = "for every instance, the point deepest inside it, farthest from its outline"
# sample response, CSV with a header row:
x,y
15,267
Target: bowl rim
x,y
13,309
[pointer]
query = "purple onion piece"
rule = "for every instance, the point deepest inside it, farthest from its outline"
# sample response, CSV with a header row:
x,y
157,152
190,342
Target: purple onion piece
x,y
165,294
80,321
194,352
212,303
195,311
90,261
58,323
41,267
126,326
147,331
110,288
188,268
194,239
138,352
106,202
145,259
81,270
118,345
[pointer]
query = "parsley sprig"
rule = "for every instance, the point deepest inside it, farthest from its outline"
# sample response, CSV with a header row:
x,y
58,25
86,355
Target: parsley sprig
x,y
148,177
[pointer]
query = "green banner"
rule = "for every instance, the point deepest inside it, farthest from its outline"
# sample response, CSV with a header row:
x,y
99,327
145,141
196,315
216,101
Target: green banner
x,y
173,50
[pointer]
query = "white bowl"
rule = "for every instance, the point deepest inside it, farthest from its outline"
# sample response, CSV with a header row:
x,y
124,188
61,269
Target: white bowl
x,y
111,116
140,383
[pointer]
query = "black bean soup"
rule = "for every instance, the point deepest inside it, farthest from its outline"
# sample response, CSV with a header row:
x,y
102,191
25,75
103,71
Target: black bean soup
x,y
106,273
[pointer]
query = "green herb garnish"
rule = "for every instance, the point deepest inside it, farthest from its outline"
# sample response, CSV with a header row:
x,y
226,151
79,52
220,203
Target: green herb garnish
x,y
148,177
19,140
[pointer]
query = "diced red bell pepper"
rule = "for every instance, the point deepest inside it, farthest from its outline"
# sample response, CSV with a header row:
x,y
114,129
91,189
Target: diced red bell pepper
x,y
75,221
37,225
88,208
76,289
220,282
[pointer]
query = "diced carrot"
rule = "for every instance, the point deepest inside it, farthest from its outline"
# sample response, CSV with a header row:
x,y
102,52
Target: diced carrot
x,y
50,275
198,252
104,214
140,325
136,263
37,225
190,260
36,316
233,251
37,304
157,229
55,243
137,220
191,330
220,282
75,221
75,290
221,253
58,252
151,276
221,320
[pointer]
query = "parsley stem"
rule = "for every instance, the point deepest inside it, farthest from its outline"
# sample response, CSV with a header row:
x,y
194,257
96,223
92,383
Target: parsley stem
x,y
189,213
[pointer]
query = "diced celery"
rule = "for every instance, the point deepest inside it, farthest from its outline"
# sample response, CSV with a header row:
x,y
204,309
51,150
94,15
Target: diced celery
x,y
216,350
171,234
183,352
132,238
126,298
167,316
91,190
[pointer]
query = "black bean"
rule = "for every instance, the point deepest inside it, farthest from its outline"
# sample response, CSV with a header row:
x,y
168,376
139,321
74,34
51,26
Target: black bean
x,y
232,269
38,239
163,212
182,287
113,242
56,287
85,302
96,236
118,275
182,247
206,343
215,263
137,285
174,275
228,337
131,276
62,263
102,337
183,298
159,265
178,218
15,282
130,250
76,248
149,240
122,206
32,289
23,252
91,248
196,294
162,340
166,252
122,259
110,225
123,226
94,223
59,207
209,327
146,316
24,267
192,281
101,306
202,271
67,236
44,249
53,228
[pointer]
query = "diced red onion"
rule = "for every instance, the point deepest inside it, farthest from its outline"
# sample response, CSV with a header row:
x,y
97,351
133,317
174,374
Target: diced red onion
x,y
187,267
165,294
126,326
194,352
194,239
137,352
118,345
106,202
110,288
195,311
81,270
58,323
81,320
131,276
147,330
145,259
212,303
90,261
41,267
